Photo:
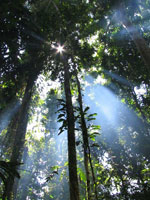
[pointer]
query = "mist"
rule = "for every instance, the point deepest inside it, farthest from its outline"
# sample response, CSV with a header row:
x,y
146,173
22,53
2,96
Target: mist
x,y
7,114
45,157
115,117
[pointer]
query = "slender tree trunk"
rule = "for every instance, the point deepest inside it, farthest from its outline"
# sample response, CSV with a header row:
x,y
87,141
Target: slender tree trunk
x,y
24,192
87,151
139,41
73,178
19,141
93,175
85,140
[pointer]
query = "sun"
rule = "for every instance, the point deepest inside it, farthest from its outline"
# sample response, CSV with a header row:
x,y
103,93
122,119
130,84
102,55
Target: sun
x,y
60,49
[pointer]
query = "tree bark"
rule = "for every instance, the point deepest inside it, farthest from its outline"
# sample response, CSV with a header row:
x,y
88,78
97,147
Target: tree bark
x,y
93,175
139,41
73,178
86,146
19,141
85,140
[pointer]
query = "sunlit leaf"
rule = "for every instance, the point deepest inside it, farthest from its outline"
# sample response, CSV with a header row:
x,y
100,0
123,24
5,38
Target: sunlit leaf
x,y
82,174
51,196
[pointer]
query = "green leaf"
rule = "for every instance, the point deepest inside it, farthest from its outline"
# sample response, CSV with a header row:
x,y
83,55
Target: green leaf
x,y
61,110
55,168
91,115
61,120
60,116
66,164
51,196
96,133
82,174
93,139
86,109
106,180
90,119
61,131
96,127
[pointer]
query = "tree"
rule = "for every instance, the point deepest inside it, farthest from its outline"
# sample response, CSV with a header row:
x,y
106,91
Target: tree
x,y
73,179
139,41
120,14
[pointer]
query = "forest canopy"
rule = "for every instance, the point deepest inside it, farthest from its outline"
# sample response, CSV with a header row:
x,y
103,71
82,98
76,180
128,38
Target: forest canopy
x,y
75,99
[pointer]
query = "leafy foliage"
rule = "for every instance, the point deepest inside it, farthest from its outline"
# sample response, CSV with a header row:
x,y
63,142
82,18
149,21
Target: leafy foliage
x,y
8,169
96,43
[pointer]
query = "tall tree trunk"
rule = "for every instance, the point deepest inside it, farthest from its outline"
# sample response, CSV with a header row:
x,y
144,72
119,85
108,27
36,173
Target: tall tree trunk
x,y
93,174
139,41
28,177
87,151
72,160
85,140
19,141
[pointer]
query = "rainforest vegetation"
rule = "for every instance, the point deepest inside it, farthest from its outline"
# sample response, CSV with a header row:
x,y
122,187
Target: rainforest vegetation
x,y
75,99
